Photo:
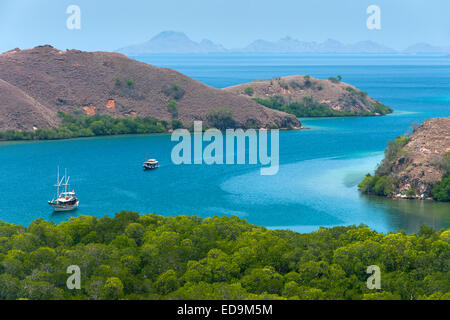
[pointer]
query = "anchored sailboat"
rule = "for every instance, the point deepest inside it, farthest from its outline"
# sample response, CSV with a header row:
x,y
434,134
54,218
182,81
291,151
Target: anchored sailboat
x,y
65,201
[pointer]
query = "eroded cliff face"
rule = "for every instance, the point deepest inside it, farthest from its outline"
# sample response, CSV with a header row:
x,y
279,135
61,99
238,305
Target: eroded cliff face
x,y
39,82
420,166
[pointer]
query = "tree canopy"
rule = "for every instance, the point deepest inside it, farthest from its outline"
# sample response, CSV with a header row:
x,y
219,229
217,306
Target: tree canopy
x,y
75,125
151,257
310,108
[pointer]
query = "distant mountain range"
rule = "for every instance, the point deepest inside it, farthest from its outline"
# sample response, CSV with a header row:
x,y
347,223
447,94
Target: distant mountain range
x,y
425,48
178,42
290,45
172,42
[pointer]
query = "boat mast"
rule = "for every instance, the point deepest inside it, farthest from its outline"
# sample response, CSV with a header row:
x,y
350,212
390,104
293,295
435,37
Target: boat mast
x,y
66,182
57,185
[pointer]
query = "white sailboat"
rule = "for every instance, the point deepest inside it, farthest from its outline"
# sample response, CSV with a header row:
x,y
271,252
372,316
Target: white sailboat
x,y
65,201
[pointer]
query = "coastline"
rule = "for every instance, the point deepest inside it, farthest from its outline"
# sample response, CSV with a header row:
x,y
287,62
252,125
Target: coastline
x,y
171,130
168,132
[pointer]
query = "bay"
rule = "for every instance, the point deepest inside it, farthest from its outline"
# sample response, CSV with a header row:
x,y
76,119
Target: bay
x,y
319,168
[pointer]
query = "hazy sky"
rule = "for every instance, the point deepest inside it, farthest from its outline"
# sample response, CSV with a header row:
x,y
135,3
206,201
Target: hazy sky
x,y
110,24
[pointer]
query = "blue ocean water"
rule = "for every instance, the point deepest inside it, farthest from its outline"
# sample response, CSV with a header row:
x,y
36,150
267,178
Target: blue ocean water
x,y
319,168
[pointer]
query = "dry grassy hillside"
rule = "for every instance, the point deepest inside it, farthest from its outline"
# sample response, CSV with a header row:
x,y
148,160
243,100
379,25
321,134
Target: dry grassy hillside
x,y
51,80
21,112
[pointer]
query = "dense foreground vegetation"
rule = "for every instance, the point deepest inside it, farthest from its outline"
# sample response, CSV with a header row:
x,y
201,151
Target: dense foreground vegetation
x,y
73,126
310,108
151,257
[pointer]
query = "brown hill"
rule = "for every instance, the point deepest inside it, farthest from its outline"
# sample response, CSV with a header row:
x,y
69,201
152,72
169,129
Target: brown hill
x,y
18,111
335,95
421,164
51,80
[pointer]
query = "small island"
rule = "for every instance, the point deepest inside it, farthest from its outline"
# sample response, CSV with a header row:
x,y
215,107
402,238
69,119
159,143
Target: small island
x,y
415,166
305,96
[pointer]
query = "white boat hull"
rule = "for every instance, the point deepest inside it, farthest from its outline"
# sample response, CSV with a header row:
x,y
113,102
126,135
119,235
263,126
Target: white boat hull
x,y
150,167
61,207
